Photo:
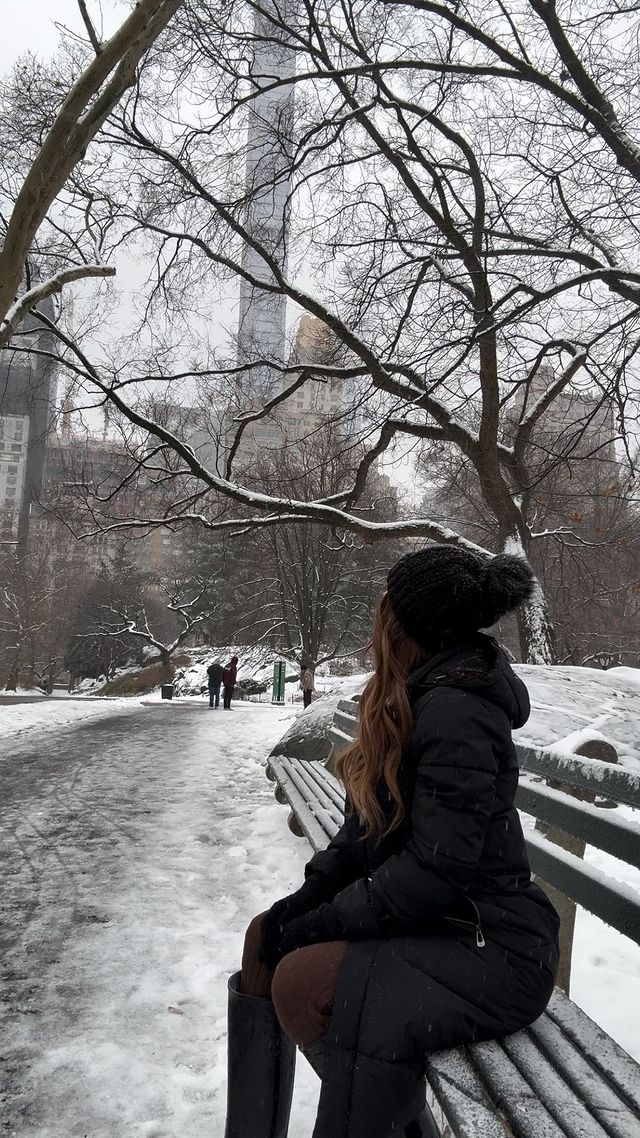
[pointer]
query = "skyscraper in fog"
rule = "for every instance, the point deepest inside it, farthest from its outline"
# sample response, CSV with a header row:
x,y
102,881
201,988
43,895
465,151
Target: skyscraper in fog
x,y
27,397
262,315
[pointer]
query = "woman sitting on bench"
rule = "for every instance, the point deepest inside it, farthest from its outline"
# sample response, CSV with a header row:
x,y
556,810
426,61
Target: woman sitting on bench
x,y
419,927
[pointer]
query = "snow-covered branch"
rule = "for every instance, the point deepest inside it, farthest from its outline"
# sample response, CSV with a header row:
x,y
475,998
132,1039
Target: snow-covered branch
x,y
34,296
89,100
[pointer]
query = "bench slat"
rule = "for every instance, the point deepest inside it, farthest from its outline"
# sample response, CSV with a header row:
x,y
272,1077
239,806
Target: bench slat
x,y
586,774
316,797
602,1100
615,903
549,1086
602,1051
315,833
351,706
597,827
347,723
337,735
512,1093
462,1096
323,778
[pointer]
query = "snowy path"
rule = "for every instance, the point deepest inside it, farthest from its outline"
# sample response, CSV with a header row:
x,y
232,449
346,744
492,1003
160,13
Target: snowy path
x,y
137,848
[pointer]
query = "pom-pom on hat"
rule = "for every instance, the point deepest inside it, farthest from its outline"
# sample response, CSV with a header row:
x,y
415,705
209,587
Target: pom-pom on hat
x,y
444,592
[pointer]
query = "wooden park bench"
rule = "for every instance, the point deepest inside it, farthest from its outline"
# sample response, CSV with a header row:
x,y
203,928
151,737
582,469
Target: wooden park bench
x,y
563,1077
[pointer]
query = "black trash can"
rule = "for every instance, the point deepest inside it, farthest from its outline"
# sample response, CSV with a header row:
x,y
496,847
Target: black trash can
x,y
167,691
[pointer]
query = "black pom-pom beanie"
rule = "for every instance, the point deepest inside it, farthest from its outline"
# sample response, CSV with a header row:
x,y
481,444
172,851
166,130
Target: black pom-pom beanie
x,y
445,593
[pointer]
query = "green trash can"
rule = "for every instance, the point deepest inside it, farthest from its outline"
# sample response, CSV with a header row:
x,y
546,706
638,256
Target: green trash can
x,y
279,673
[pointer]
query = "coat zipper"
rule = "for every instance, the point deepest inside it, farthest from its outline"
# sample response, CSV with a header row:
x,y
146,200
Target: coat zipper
x,y
476,926
480,941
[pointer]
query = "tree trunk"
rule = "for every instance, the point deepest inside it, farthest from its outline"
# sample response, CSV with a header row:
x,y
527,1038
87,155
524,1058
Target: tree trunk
x,y
535,629
14,670
12,678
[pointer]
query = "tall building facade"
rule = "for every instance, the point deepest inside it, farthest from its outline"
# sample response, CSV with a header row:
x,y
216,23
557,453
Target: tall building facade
x,y
262,314
86,473
27,404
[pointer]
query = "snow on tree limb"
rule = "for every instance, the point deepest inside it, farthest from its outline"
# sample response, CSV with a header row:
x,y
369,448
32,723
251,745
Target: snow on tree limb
x,y
84,110
55,284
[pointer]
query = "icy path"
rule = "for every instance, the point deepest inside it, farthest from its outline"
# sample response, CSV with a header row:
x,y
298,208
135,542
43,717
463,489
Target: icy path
x,y
138,847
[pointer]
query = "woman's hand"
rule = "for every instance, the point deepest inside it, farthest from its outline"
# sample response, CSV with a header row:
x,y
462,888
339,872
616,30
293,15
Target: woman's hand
x,y
273,925
316,927
307,897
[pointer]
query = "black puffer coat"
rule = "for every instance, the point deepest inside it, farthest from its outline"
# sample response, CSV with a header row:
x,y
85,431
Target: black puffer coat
x,y
451,940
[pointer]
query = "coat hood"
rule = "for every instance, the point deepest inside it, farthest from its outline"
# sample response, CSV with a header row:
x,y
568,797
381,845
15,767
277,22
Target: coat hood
x,y
480,667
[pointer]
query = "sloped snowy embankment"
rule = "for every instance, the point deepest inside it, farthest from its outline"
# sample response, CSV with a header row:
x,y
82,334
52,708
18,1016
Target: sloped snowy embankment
x,y
17,718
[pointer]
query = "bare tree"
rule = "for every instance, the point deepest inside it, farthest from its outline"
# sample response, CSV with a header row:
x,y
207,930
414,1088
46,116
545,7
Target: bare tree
x,y
317,587
585,535
78,107
464,201
37,593
188,601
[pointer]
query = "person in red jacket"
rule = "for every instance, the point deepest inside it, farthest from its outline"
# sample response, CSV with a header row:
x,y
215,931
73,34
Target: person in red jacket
x,y
229,682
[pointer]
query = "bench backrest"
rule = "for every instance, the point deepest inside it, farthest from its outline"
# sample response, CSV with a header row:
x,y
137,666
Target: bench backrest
x,y
547,780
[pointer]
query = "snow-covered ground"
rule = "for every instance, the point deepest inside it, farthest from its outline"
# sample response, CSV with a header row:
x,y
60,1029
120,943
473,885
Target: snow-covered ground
x,y
152,848
18,717
153,855
569,700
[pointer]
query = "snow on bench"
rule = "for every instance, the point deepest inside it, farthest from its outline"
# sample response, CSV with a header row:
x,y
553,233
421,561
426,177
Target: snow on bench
x,y
563,1077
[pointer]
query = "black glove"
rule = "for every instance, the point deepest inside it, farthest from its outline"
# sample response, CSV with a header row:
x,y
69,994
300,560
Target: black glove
x,y
307,897
316,927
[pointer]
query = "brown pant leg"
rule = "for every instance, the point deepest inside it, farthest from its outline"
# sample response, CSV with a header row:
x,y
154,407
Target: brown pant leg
x,y
255,978
304,988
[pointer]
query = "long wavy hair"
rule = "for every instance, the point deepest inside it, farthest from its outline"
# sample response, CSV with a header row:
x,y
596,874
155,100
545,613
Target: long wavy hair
x,y
385,722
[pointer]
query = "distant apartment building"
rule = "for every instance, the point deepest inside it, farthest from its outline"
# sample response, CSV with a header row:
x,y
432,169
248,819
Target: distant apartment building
x,y
317,400
14,443
335,400
88,486
571,458
200,427
27,400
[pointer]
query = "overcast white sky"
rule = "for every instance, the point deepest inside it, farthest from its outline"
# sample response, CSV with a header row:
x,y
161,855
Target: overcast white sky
x,y
31,25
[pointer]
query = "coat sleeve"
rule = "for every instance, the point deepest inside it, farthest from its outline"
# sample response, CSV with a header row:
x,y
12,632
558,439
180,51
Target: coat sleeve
x,y
454,741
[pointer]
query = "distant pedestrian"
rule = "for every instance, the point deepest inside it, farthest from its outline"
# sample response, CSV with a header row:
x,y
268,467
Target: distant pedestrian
x,y
214,672
306,683
229,681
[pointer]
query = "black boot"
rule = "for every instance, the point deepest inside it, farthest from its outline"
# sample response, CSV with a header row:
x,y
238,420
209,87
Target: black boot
x,y
423,1127
261,1065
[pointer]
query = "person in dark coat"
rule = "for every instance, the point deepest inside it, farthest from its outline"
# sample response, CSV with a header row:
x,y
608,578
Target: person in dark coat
x,y
229,682
419,927
214,674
